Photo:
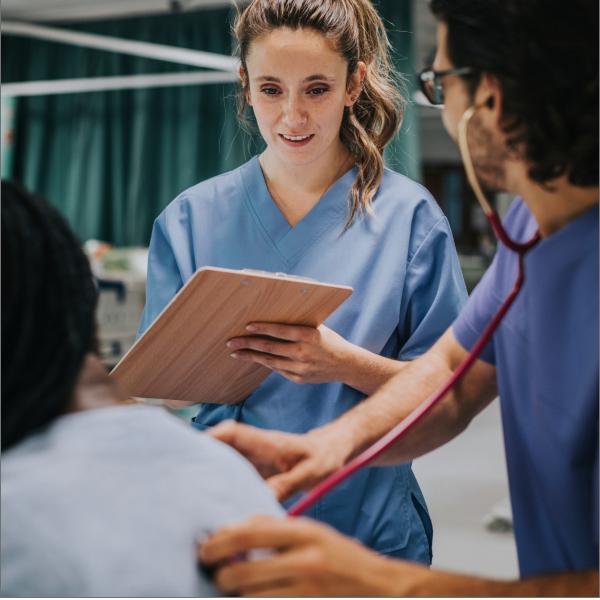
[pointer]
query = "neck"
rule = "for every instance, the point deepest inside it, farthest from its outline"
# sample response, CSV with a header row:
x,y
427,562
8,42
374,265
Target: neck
x,y
95,389
297,188
553,206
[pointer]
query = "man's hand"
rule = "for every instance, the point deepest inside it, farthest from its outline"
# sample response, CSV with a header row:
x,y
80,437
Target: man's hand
x,y
289,462
309,559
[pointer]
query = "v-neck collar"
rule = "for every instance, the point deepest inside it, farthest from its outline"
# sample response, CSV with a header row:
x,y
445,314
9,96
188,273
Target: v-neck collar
x,y
330,211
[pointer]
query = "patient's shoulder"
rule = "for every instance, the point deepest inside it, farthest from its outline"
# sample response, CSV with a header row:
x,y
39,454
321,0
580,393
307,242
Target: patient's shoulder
x,y
124,483
33,564
232,476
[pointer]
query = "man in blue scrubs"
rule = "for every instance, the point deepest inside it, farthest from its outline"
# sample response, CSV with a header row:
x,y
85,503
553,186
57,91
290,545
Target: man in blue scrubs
x,y
531,69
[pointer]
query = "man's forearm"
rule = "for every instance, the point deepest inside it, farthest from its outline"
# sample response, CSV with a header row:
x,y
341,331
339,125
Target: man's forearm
x,y
363,425
439,583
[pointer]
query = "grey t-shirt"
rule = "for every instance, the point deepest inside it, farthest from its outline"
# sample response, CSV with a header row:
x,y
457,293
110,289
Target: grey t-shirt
x,y
110,502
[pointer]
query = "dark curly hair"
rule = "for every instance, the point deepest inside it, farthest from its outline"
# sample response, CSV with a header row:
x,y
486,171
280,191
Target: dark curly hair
x,y
48,307
544,53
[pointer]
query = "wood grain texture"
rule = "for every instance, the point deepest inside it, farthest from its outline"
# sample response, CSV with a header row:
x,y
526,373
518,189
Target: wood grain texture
x,y
182,355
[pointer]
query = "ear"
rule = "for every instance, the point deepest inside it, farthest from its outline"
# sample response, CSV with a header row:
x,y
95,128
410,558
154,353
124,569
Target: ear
x,y
355,84
244,84
489,94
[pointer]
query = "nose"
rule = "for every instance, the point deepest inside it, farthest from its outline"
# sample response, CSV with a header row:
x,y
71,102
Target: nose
x,y
295,115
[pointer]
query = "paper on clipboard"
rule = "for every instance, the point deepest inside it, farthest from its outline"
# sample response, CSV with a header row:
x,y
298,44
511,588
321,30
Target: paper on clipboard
x,y
183,356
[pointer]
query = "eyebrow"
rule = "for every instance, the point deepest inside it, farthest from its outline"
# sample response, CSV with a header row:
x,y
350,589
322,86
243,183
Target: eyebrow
x,y
315,77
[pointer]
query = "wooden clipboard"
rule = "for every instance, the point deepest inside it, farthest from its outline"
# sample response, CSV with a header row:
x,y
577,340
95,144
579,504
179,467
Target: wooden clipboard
x,y
183,356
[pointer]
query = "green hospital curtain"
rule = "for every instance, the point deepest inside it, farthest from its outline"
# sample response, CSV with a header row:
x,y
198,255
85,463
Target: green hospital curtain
x,y
403,154
111,161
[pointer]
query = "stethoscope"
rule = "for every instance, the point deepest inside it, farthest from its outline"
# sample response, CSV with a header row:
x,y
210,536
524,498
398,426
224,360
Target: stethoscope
x,y
418,413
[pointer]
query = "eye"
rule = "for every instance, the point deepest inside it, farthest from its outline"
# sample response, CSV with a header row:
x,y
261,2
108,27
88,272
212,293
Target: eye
x,y
270,91
318,91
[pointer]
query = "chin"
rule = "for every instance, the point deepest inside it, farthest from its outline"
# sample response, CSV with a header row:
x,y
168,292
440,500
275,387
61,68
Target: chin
x,y
297,157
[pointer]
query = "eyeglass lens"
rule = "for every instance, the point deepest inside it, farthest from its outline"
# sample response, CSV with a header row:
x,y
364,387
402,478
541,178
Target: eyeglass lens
x,y
433,89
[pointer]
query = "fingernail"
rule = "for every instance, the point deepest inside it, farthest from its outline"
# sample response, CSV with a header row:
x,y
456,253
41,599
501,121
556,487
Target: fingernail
x,y
251,328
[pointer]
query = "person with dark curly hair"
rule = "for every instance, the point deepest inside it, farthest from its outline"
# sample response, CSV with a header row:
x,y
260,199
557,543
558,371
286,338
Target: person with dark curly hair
x,y
518,80
99,497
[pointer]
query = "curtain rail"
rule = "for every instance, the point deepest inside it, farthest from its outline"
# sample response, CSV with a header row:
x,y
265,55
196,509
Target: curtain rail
x,y
126,82
164,52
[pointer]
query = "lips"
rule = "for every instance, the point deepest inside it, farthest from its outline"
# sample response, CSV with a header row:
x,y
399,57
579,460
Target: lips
x,y
296,140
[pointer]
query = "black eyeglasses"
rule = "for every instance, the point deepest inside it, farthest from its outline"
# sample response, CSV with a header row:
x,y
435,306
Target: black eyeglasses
x,y
431,85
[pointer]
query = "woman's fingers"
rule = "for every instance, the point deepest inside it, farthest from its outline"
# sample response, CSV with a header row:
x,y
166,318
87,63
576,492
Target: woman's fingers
x,y
292,376
296,372
265,346
292,333
262,358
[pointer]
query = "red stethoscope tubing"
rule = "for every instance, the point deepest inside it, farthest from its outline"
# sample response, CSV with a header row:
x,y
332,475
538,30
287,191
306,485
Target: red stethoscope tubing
x,y
418,413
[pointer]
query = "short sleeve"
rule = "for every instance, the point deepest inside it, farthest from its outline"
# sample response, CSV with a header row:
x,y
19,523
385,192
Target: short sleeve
x,y
164,278
478,312
434,291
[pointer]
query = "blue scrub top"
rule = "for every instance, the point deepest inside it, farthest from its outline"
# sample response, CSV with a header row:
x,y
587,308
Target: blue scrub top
x,y
408,288
546,356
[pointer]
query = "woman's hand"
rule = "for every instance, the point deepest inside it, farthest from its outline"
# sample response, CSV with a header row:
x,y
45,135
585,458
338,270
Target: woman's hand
x,y
313,355
300,354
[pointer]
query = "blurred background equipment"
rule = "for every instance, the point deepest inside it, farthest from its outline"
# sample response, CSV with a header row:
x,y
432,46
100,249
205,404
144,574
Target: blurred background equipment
x,y
121,277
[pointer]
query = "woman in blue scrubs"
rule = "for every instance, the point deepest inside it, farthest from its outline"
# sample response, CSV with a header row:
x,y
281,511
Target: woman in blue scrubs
x,y
319,203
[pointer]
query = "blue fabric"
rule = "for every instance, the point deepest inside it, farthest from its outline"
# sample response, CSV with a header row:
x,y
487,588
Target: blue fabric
x,y
546,354
408,288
